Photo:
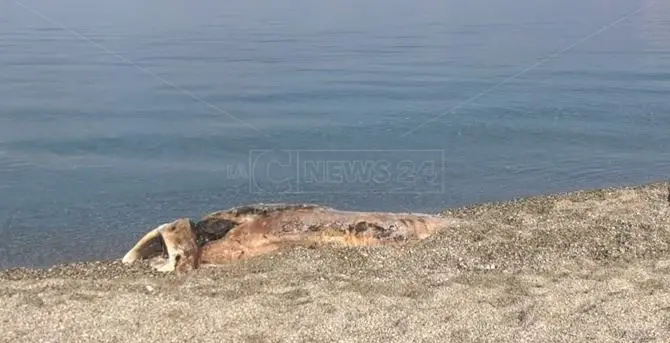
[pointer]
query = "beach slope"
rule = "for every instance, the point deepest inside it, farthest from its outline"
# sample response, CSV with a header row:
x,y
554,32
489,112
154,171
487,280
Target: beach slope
x,y
590,266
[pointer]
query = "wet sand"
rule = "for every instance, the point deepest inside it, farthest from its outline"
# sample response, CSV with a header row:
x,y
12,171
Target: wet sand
x,y
591,266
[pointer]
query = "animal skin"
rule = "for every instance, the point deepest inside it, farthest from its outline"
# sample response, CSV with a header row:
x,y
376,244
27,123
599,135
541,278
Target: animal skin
x,y
254,230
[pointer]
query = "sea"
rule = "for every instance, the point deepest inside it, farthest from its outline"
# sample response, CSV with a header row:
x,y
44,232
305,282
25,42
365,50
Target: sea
x,y
118,116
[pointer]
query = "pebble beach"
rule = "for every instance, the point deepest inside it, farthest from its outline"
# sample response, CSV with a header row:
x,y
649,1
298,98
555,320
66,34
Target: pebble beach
x,y
587,266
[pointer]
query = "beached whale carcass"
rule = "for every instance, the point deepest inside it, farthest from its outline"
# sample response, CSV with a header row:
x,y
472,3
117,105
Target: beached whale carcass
x,y
253,230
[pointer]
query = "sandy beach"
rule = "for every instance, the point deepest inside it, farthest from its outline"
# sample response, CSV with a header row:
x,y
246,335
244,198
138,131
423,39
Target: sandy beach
x,y
590,266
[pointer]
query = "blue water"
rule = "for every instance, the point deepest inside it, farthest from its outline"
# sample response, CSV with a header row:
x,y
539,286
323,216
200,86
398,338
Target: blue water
x,y
117,116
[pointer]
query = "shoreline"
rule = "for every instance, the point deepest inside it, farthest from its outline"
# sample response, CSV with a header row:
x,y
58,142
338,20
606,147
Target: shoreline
x,y
576,195
575,266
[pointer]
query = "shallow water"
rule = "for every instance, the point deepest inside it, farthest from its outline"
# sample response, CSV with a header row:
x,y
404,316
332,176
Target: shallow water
x,y
117,116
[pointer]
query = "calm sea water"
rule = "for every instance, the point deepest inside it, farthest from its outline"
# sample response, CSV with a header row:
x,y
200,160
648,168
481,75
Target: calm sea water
x,y
117,116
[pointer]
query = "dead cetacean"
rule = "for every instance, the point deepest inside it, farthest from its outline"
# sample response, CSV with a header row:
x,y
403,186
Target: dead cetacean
x,y
254,230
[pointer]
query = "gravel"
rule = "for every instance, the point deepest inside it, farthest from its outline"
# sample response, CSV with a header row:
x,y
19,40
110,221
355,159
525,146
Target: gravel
x,y
575,267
